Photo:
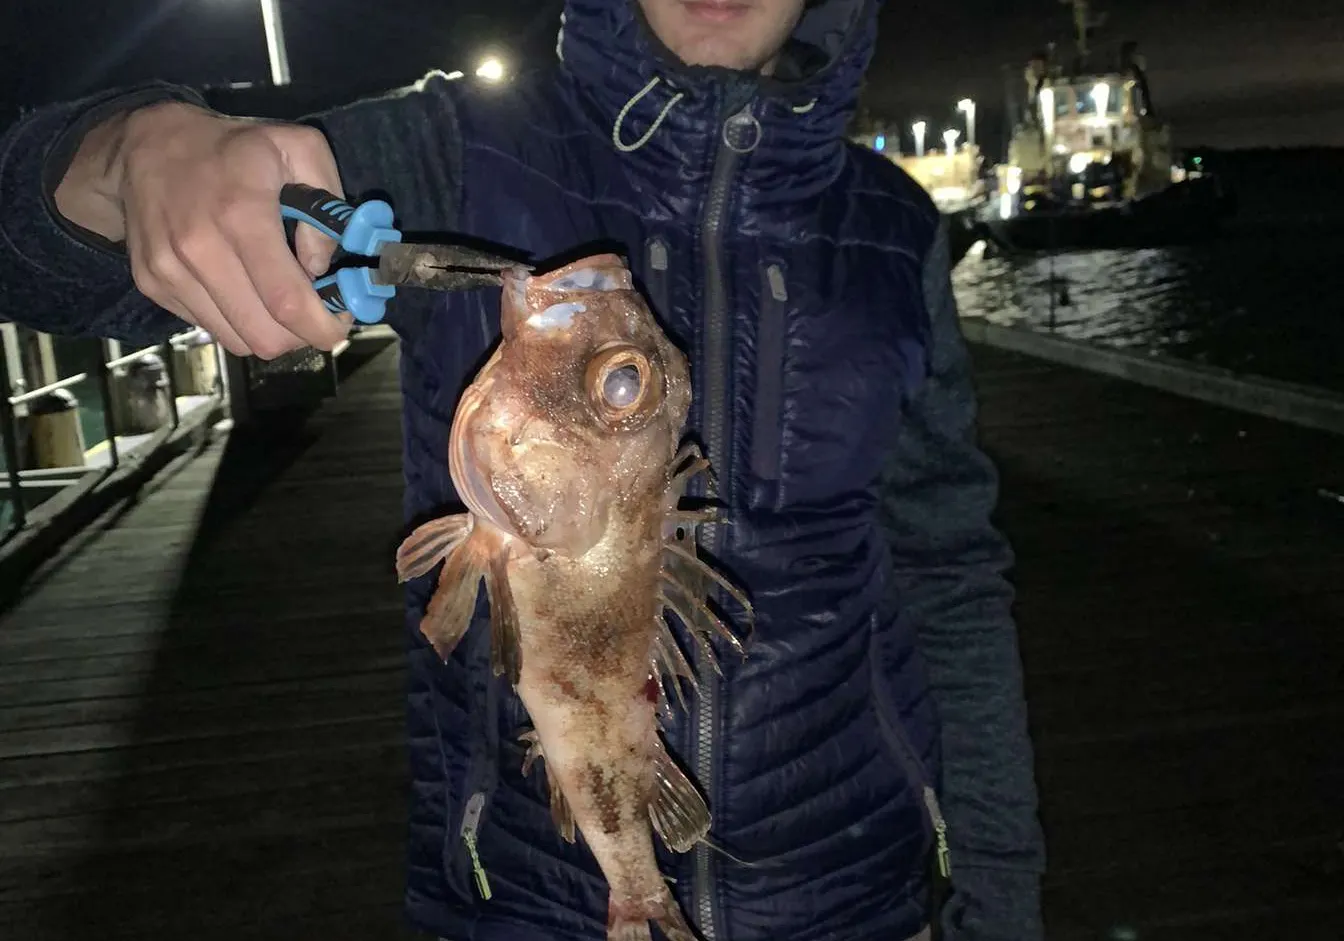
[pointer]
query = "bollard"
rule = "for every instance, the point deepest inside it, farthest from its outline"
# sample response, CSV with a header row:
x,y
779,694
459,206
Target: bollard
x,y
55,437
140,396
197,366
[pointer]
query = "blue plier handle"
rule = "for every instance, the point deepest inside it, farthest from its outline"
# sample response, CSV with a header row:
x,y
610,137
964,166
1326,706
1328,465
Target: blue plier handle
x,y
361,230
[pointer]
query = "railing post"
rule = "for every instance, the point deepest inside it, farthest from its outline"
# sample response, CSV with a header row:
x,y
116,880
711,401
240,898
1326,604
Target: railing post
x,y
105,393
170,373
238,387
9,437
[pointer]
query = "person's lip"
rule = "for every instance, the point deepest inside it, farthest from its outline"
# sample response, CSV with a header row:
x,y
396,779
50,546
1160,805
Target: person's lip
x,y
716,11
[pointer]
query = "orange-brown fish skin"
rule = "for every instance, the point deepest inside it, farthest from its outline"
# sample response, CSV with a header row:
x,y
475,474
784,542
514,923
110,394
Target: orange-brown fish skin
x,y
587,635
576,492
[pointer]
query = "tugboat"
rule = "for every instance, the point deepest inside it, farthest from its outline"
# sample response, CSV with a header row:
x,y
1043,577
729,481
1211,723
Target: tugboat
x,y
1090,163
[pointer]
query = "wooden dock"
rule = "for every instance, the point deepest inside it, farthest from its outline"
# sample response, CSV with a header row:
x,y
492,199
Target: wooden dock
x,y
201,709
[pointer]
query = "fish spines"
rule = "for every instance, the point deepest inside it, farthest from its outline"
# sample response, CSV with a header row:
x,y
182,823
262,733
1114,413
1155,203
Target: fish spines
x,y
684,578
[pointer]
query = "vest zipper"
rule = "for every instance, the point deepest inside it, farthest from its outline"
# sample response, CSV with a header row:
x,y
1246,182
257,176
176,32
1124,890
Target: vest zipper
x,y
715,361
915,770
471,820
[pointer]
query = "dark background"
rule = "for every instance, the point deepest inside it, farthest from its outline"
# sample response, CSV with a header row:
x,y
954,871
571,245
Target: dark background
x,y
1227,73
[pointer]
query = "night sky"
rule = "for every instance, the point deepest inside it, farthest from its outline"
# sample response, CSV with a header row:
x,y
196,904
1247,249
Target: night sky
x,y
1223,71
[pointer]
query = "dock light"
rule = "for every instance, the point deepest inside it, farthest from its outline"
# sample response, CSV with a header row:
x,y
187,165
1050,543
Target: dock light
x,y
1101,94
950,139
490,70
880,143
918,129
967,107
1047,97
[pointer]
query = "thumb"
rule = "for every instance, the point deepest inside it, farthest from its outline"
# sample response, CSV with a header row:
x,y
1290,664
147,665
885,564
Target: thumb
x,y
309,160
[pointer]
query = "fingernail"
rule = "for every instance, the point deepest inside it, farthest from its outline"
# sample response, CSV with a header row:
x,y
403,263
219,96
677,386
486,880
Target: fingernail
x,y
314,265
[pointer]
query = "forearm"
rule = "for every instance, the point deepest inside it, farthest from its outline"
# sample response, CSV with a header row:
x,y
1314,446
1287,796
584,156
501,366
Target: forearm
x,y
55,275
949,565
63,268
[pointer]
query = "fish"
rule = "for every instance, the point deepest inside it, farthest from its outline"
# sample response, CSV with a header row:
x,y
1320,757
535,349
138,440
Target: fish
x,y
567,450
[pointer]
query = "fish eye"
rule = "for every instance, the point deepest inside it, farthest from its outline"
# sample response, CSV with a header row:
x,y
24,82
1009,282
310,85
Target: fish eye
x,y
621,387
621,383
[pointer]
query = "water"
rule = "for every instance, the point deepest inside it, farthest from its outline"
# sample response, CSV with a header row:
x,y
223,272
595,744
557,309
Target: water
x,y
1271,306
1266,298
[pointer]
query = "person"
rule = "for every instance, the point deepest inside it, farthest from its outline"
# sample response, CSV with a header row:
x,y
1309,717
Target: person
x,y
876,731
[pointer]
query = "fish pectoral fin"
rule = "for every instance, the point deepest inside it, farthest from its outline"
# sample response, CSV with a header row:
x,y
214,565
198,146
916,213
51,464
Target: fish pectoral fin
x,y
678,812
449,613
430,544
560,811
505,643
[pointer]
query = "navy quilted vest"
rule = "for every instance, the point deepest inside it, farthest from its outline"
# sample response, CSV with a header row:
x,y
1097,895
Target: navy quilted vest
x,y
787,264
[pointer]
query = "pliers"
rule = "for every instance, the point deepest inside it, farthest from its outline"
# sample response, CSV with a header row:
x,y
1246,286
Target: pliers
x,y
367,231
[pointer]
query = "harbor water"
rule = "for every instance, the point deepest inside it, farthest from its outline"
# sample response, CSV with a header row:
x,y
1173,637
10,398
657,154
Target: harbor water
x,y
1263,297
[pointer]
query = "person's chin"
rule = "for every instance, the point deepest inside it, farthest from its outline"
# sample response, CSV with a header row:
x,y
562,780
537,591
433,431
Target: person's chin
x,y
719,52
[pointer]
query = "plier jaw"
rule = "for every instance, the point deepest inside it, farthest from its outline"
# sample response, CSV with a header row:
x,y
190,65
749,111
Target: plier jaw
x,y
368,231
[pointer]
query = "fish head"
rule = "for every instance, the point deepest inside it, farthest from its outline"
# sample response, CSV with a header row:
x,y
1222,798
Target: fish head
x,y
577,413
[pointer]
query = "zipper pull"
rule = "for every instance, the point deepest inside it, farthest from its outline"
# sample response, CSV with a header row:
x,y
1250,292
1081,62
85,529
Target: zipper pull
x,y
471,819
940,830
658,255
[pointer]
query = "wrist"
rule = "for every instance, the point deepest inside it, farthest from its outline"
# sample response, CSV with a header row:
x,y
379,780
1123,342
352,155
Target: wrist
x,y
89,194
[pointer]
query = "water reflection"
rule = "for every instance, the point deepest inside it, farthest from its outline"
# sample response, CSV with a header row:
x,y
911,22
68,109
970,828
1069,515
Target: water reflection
x,y
1270,306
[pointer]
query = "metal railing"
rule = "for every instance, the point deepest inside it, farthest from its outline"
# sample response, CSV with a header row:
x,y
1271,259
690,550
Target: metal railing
x,y
19,402
24,485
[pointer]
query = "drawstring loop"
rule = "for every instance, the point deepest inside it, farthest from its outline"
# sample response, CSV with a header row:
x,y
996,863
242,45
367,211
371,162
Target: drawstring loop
x,y
743,118
653,128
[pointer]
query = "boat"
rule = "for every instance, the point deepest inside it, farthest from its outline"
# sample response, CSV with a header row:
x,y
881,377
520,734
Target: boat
x,y
1090,162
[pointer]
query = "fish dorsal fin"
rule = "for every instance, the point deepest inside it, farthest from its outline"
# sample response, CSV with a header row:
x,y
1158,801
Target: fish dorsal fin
x,y
676,809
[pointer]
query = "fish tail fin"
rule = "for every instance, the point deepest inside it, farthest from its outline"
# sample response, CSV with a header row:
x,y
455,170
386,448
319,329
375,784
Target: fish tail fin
x,y
629,921
678,813
629,931
450,609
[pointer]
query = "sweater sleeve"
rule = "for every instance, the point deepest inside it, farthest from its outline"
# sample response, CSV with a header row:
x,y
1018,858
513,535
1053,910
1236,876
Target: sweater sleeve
x,y
61,279
950,570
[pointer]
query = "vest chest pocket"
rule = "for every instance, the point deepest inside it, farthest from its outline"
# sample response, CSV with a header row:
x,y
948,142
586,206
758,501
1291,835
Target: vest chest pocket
x,y
827,378
771,327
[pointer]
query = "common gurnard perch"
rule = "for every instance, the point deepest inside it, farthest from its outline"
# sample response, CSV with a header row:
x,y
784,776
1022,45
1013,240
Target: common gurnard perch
x,y
565,452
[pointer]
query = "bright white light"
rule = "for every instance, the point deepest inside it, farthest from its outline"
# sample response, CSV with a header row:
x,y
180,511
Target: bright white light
x,y
919,127
950,139
490,70
1048,112
454,76
1078,162
1101,94
967,107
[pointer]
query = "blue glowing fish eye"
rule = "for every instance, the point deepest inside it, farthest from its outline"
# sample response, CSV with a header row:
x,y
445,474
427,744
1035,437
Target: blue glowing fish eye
x,y
621,387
